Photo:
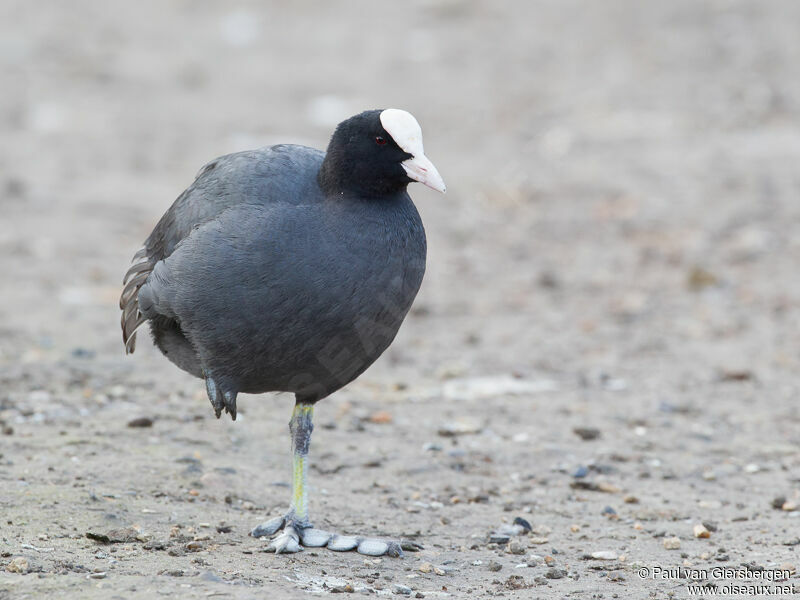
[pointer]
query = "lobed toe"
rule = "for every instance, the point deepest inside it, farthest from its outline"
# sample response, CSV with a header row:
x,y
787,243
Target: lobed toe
x,y
268,527
372,547
342,543
314,538
287,542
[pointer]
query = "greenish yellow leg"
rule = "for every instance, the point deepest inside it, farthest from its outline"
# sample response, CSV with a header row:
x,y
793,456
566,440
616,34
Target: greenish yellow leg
x,y
301,427
297,531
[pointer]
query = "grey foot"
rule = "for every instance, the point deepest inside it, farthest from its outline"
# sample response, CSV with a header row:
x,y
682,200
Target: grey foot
x,y
268,527
293,537
220,399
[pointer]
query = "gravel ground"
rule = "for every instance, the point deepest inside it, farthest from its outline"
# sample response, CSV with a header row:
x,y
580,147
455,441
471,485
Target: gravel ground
x,y
605,344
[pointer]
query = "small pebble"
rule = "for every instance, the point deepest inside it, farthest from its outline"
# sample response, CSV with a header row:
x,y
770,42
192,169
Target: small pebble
x,y
494,566
459,428
537,540
789,506
587,433
82,353
497,538
380,417
141,422
555,573
516,582
787,567
402,590
114,536
118,391
608,488
519,522
699,278
736,375
778,502
609,512
18,564
604,555
671,543
425,567
700,531
516,548
156,545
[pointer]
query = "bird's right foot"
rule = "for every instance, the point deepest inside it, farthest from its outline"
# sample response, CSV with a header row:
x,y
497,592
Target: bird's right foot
x,y
294,536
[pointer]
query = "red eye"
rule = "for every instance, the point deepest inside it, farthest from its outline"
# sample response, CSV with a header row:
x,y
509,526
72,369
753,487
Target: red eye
x,y
381,141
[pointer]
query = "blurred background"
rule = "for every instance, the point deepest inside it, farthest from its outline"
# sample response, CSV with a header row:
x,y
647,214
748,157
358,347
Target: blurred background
x,y
621,221
597,157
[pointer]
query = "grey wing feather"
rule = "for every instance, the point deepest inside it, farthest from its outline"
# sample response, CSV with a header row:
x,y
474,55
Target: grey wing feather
x,y
251,176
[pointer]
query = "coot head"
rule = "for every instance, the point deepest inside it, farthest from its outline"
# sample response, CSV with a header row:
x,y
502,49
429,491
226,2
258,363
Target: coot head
x,y
377,153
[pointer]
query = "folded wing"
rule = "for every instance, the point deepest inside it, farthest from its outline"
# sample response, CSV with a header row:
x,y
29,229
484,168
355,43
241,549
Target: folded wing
x,y
253,176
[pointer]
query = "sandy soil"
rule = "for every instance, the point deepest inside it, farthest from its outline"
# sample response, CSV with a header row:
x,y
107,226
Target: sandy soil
x,y
617,252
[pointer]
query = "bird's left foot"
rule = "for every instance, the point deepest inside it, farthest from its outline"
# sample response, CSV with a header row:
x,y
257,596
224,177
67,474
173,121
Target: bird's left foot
x,y
294,536
220,399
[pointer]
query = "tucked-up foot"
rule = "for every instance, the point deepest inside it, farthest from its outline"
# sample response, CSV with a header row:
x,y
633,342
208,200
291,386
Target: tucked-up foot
x,y
293,537
220,399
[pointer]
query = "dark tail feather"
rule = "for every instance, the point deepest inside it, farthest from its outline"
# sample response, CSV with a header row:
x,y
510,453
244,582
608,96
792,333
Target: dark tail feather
x,y
130,338
134,279
131,288
137,268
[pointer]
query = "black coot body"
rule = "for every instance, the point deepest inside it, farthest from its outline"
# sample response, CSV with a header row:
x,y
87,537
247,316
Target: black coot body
x,y
285,268
289,269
